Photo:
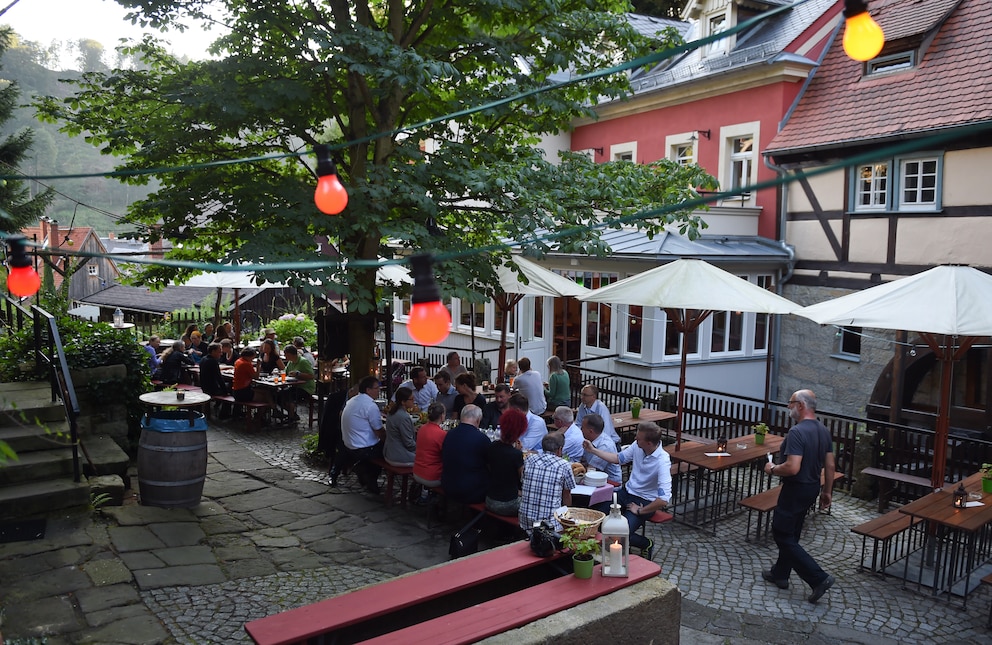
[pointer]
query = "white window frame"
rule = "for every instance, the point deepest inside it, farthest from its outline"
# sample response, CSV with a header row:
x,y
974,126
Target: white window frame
x,y
721,46
729,134
625,330
874,185
841,350
765,281
894,192
93,270
674,141
624,151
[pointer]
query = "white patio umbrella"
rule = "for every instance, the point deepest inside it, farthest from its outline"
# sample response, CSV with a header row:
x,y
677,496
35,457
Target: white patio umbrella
x,y
540,282
949,306
689,290
236,280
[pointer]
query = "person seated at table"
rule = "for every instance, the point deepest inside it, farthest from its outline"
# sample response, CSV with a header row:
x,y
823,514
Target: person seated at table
x,y
558,391
208,333
592,431
446,393
224,331
197,348
152,348
564,422
427,463
304,352
464,474
227,353
506,463
211,381
401,443
547,484
495,408
453,367
244,373
530,384
188,334
270,334
269,359
172,370
303,391
592,405
536,426
362,432
649,487
465,386
510,371
424,389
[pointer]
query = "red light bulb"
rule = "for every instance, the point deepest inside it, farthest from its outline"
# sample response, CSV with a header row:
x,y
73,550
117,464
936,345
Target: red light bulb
x,y
23,281
430,323
330,196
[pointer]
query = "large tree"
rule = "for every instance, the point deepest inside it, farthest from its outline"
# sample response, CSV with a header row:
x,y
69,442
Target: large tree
x,y
296,74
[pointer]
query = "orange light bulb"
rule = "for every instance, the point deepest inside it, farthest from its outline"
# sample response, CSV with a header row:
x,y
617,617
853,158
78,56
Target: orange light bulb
x,y
23,281
863,38
330,196
430,323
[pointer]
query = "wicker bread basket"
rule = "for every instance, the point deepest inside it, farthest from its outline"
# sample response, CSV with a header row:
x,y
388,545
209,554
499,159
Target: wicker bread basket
x,y
586,519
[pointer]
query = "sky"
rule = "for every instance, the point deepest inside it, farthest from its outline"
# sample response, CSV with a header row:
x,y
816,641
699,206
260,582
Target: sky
x,y
102,20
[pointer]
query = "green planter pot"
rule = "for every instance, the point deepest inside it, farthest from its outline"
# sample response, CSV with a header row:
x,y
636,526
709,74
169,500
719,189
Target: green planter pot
x,y
635,412
986,485
759,439
582,568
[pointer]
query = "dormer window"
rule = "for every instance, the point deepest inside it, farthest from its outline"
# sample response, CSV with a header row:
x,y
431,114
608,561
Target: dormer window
x,y
890,63
715,25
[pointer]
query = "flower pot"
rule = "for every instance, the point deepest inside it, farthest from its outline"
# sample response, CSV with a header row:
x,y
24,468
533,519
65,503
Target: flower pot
x,y
759,439
583,568
986,485
635,411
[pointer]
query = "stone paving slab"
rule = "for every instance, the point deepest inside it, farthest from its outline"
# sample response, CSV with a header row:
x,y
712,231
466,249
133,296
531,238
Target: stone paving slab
x,y
195,575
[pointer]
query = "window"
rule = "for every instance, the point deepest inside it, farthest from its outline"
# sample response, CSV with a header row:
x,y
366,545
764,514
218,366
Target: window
x,y
761,321
93,270
683,154
741,155
599,316
849,342
728,332
891,63
717,24
623,151
902,184
498,321
466,313
635,327
532,318
673,347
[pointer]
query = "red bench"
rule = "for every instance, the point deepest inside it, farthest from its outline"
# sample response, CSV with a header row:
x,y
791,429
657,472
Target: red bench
x,y
429,587
392,472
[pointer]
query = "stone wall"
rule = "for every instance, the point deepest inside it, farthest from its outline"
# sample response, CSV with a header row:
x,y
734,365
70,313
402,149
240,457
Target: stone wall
x,y
101,413
808,358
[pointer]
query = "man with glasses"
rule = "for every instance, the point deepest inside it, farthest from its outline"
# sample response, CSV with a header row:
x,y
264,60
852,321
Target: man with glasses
x,y
592,405
808,450
363,433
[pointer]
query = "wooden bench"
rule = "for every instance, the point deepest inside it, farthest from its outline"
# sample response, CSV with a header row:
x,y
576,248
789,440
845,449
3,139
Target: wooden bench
x,y
254,411
889,480
659,517
886,532
511,520
392,472
764,503
456,584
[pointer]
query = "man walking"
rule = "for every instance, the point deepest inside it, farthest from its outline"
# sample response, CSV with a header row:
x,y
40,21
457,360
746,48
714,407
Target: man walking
x,y
808,450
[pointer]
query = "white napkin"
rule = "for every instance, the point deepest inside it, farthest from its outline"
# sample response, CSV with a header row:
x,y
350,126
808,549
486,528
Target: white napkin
x,y
717,454
973,504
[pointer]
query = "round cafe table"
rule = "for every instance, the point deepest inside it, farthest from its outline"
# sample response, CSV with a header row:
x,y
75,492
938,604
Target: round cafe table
x,y
161,399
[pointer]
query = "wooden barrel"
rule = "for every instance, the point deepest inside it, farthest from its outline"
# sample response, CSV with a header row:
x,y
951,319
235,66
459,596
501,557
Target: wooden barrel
x,y
172,459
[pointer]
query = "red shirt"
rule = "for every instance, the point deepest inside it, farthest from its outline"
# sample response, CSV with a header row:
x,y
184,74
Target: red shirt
x,y
244,372
427,462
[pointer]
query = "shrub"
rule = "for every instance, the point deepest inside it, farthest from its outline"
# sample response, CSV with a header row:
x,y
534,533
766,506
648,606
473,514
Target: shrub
x,y
289,326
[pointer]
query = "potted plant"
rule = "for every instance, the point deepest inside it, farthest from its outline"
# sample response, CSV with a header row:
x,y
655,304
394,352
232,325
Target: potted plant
x,y
583,549
635,407
760,430
986,471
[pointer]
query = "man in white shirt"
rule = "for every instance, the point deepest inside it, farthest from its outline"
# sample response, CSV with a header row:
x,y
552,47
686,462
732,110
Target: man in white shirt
x,y
424,390
563,420
592,430
529,383
537,428
592,405
649,487
362,432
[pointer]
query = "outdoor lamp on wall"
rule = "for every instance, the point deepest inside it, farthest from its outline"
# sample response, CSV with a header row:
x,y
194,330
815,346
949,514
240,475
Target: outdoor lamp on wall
x,y
863,38
22,279
615,544
330,196
960,496
430,320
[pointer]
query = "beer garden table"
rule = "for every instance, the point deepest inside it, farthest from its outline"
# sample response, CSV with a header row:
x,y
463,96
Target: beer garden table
x,y
711,487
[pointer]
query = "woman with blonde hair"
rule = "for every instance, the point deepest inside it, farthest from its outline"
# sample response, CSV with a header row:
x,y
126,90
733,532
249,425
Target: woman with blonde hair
x,y
510,370
558,390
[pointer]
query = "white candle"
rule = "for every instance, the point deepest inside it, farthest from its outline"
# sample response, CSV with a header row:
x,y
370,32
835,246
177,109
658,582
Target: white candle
x,y
616,558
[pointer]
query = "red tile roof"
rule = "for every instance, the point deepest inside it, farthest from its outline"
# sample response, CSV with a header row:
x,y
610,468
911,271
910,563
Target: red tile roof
x,y
951,85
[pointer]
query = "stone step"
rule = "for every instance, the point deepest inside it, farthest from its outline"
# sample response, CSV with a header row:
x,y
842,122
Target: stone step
x,y
25,402
37,466
106,456
32,437
39,498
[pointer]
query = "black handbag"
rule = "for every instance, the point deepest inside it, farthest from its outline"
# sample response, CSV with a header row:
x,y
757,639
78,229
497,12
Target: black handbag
x,y
544,540
466,540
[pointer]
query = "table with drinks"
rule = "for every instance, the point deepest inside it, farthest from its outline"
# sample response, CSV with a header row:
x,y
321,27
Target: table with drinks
x,y
715,480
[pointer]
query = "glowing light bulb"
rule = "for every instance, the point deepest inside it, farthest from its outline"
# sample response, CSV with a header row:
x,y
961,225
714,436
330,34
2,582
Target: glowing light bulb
x,y
23,281
863,38
430,320
330,197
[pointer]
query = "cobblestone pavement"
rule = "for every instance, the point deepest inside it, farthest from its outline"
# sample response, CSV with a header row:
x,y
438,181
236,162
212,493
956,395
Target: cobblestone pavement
x,y
271,534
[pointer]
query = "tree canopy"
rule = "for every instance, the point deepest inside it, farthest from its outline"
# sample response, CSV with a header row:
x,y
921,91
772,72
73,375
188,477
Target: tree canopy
x,y
291,75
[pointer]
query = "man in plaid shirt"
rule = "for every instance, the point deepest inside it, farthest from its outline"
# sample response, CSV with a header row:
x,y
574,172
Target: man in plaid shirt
x,y
548,484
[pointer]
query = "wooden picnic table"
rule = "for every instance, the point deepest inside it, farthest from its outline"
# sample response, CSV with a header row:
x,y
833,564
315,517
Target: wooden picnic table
x,y
624,422
711,487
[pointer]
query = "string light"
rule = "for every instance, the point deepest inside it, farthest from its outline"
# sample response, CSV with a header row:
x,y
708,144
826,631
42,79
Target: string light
x,y
22,280
330,196
863,38
430,320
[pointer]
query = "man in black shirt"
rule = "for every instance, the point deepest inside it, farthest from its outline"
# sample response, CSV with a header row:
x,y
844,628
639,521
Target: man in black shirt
x,y
211,381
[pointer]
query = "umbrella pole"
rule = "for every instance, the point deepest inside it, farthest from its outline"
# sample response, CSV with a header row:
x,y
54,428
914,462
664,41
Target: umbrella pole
x,y
237,316
681,403
946,354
